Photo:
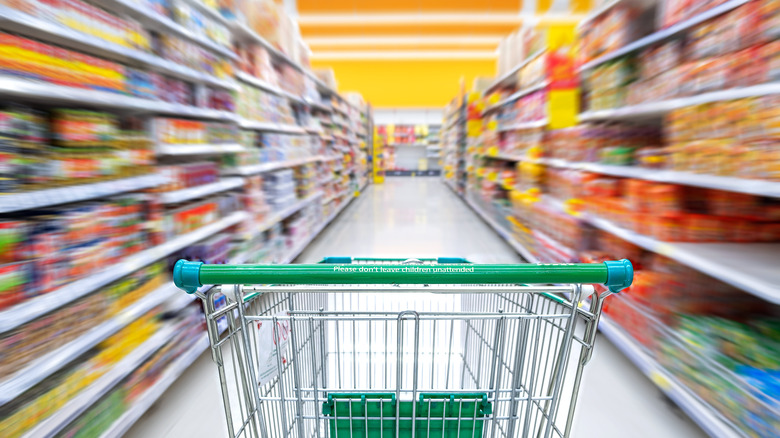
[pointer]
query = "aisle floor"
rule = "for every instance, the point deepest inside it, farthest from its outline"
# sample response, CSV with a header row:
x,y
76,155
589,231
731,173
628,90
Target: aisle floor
x,y
418,217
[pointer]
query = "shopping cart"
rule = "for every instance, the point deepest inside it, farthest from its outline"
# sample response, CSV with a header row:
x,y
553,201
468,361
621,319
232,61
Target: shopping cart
x,y
393,348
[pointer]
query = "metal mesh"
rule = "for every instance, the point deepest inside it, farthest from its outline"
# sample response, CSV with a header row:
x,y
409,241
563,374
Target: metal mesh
x,y
508,343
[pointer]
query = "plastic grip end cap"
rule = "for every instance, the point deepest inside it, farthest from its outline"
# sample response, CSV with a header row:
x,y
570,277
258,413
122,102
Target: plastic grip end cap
x,y
620,275
186,275
337,260
451,260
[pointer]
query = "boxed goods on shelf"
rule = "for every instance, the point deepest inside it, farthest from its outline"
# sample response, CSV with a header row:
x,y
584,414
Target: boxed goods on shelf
x,y
256,61
686,214
25,343
280,188
183,131
189,175
529,108
327,76
306,183
609,31
195,215
254,201
31,59
269,148
59,245
607,143
43,149
736,49
263,106
40,402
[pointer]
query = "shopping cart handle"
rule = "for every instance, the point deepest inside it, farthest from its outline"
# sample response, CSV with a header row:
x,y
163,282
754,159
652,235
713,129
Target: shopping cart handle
x,y
616,275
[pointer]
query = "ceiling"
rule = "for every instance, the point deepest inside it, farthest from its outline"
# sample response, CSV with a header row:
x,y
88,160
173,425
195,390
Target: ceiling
x,y
333,27
456,34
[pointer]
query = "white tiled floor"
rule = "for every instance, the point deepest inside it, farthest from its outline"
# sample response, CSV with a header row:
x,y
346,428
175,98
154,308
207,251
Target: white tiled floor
x,y
418,217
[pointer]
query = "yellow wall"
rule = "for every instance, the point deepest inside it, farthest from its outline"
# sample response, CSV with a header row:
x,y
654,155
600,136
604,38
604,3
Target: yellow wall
x,y
407,83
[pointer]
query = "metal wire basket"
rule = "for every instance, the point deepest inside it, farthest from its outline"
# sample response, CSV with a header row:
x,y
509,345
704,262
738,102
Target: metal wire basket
x,y
334,350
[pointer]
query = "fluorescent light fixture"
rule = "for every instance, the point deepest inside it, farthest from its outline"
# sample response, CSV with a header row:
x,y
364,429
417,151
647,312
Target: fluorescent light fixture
x,y
470,19
404,54
393,41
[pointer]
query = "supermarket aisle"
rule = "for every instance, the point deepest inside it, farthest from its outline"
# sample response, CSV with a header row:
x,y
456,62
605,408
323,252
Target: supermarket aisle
x,y
422,217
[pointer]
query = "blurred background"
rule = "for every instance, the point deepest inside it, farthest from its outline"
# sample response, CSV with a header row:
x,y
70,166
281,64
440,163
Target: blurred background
x,y
134,133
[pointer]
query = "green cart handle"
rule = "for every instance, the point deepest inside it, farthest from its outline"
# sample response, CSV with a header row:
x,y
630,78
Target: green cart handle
x,y
616,275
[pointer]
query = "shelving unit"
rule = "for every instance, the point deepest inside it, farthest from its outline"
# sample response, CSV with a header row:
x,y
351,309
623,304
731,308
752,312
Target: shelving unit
x,y
16,89
28,310
524,125
25,24
267,167
510,76
42,367
151,395
515,96
754,271
661,108
82,192
745,269
198,149
704,415
666,33
753,187
97,389
41,92
222,185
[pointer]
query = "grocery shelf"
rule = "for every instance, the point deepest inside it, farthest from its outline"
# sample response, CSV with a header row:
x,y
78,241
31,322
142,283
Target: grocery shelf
x,y
666,33
267,167
285,213
751,267
524,125
198,149
661,108
451,186
211,12
331,158
25,24
263,85
245,33
336,196
511,74
726,183
200,191
90,395
599,11
710,420
81,192
515,96
45,365
151,19
506,235
145,401
270,127
48,93
21,313
298,249
317,105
